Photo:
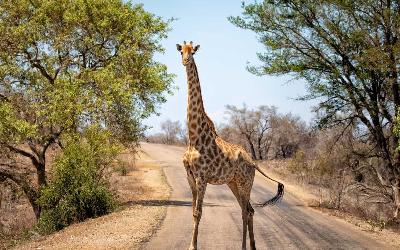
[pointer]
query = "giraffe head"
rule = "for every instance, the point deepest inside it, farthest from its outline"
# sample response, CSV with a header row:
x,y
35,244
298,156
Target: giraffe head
x,y
187,51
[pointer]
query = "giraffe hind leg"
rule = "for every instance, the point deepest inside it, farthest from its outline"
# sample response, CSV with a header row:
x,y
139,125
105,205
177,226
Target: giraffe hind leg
x,y
243,197
245,218
250,225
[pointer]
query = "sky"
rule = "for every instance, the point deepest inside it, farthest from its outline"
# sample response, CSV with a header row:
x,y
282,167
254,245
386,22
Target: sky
x,y
224,52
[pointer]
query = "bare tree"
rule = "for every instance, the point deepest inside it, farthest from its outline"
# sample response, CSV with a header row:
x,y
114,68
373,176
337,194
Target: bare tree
x,y
172,133
172,130
288,131
253,128
264,132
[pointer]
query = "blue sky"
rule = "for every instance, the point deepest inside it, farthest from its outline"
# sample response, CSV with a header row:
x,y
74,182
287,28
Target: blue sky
x,y
224,53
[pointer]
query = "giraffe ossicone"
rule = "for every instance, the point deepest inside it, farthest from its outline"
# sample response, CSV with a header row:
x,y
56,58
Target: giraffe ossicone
x,y
211,160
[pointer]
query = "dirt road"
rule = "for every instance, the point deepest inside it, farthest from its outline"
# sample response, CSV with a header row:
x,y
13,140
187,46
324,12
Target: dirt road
x,y
289,225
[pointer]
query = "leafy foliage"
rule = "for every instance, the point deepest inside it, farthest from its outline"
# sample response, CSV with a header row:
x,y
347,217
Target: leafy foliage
x,y
12,125
79,187
347,51
69,65
72,63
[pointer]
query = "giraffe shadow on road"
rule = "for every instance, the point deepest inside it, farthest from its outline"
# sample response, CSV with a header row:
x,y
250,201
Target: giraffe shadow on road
x,y
167,203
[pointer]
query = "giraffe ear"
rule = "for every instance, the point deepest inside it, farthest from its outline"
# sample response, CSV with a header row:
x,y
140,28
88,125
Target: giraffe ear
x,y
196,48
178,47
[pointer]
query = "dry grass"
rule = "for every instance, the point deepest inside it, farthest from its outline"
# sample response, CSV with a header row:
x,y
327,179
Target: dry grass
x,y
16,215
128,227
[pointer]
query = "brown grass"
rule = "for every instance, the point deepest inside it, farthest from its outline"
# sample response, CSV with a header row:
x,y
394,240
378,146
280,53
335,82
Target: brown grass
x,y
127,228
16,214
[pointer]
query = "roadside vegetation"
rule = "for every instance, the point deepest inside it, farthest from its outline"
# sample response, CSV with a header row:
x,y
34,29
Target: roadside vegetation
x,y
130,225
79,187
347,52
76,80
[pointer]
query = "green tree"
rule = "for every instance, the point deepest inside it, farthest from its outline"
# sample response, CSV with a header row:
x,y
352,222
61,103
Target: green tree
x,y
66,65
348,52
79,187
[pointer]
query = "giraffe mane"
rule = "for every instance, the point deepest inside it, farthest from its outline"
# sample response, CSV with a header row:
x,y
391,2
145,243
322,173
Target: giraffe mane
x,y
210,122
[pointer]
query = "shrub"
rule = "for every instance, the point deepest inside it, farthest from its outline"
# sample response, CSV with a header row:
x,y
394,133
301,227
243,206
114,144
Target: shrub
x,y
79,188
298,163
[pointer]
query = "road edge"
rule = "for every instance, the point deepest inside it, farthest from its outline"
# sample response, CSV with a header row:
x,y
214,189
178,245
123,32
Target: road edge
x,y
157,227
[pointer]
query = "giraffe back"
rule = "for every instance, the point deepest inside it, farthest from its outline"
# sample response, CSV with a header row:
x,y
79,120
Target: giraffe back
x,y
219,162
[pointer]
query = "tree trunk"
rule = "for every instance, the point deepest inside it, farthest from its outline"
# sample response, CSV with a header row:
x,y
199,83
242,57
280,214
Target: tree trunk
x,y
267,146
32,194
41,174
252,149
283,152
260,154
389,178
22,180
37,210
396,194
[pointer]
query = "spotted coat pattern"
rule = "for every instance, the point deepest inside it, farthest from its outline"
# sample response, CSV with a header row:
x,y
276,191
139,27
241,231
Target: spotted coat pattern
x,y
210,159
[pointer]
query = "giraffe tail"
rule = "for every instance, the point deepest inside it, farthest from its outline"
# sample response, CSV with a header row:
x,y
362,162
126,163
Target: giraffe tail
x,y
279,193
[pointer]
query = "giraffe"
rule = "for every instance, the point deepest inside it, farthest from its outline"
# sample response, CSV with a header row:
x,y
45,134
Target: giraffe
x,y
211,160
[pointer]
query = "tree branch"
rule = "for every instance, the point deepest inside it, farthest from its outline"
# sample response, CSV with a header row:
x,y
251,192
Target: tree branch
x,y
24,153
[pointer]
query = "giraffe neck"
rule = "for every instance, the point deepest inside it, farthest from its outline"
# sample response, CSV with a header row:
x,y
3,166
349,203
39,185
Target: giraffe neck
x,y
201,128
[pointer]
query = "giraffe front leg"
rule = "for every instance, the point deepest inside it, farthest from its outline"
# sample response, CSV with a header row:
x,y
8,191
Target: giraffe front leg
x,y
201,190
191,181
192,185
